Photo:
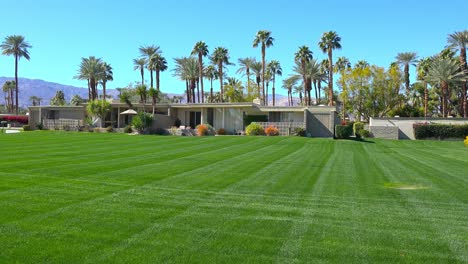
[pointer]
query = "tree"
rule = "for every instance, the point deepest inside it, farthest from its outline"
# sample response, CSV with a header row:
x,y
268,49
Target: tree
x,y
77,100
220,57
264,38
289,84
256,68
422,69
330,41
142,92
186,69
91,69
17,46
58,99
302,56
406,59
245,65
98,108
139,64
274,68
146,53
444,71
459,40
233,90
201,50
105,76
154,94
211,73
159,64
35,100
342,63
9,88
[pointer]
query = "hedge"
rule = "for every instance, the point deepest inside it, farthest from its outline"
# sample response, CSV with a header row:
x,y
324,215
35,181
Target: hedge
x,y
440,131
11,118
343,132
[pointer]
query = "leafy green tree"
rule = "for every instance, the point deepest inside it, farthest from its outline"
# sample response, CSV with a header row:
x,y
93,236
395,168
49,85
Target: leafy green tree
x,y
302,57
16,46
445,72
146,53
274,67
233,90
211,73
406,59
329,42
422,69
77,100
91,70
201,50
245,65
99,108
220,57
58,99
154,94
458,41
140,64
142,122
159,64
263,38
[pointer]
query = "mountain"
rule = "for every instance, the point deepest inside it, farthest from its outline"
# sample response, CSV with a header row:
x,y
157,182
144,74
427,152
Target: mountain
x,y
46,90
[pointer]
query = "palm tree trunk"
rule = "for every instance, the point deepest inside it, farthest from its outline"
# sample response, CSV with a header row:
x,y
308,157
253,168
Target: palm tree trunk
x,y
444,103
157,80
425,98
142,75
200,63
104,90
309,88
89,91
319,88
273,89
263,73
407,84
248,80
198,90
211,90
16,83
151,78
465,84
220,70
266,95
315,89
330,73
187,91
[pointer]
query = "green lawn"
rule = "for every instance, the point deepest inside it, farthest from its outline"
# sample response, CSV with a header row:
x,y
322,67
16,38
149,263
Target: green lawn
x,y
88,198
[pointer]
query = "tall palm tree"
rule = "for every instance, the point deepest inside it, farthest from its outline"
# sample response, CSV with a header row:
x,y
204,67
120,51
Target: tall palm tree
x,y
330,41
264,38
289,84
220,57
9,88
245,65
274,68
342,63
106,75
154,94
256,68
17,46
201,50
91,69
211,73
302,56
422,69
406,59
146,53
139,64
159,64
187,69
444,71
459,40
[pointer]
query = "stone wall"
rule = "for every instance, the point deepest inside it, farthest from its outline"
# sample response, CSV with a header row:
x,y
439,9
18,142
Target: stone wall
x,y
386,132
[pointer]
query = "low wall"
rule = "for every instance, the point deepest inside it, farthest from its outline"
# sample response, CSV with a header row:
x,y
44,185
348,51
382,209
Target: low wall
x,y
285,128
163,121
386,132
62,124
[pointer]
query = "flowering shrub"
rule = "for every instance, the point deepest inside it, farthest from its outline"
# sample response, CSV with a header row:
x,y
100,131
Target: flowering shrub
x,y
466,141
254,129
10,118
221,131
271,131
202,130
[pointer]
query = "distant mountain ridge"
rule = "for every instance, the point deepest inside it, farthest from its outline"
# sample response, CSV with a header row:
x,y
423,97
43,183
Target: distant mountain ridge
x,y
46,90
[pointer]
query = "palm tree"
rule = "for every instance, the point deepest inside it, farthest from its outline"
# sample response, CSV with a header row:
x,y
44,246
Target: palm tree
x,y
200,49
220,57
139,64
154,94
142,92
256,68
211,73
361,64
146,53
444,71
17,46
274,68
159,64
8,88
187,69
106,75
459,40
302,56
245,65
330,41
422,69
342,63
264,38
91,69
289,84
35,100
406,59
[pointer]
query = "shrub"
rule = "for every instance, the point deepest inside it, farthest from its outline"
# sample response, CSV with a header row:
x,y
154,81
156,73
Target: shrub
x,y
26,128
466,141
66,128
299,131
40,126
160,131
142,121
439,131
271,131
254,129
128,129
364,133
109,129
343,132
357,127
12,118
221,131
202,130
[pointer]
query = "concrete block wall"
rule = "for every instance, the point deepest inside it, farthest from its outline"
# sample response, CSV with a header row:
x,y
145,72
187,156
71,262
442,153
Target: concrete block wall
x,y
386,132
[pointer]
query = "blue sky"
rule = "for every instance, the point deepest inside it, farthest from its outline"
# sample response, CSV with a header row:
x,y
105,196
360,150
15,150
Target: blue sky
x,y
61,32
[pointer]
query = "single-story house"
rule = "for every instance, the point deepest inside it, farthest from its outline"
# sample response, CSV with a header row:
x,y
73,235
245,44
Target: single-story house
x,y
318,121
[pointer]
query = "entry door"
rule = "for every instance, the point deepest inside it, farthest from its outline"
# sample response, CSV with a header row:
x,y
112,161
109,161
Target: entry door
x,y
195,119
